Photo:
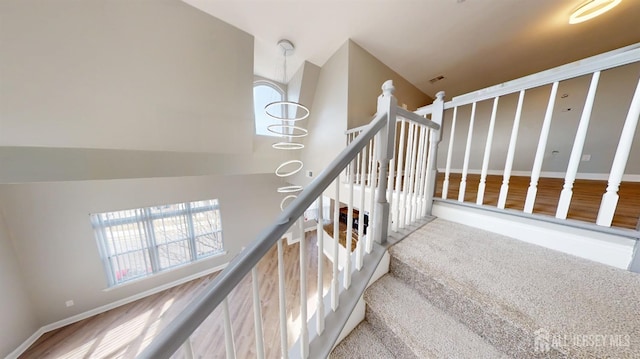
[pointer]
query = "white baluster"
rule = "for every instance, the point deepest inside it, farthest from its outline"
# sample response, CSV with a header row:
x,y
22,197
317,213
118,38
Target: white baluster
x,y
418,172
360,244
447,169
425,184
335,290
229,342
357,168
349,241
389,192
372,197
284,345
610,198
504,189
405,177
542,144
412,172
257,313
576,151
320,289
487,153
304,331
398,189
423,171
187,349
467,155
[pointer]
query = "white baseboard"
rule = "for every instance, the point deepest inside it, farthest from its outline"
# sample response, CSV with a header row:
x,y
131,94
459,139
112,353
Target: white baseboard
x,y
547,174
90,313
610,249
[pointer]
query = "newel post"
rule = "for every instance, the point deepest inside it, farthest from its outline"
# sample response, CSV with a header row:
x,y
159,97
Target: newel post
x,y
384,153
436,136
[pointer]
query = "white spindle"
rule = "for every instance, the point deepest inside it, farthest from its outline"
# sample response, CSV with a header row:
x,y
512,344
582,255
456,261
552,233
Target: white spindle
x,y
415,202
229,342
335,290
257,313
447,169
412,173
610,198
349,240
372,196
187,349
360,245
389,192
542,144
398,189
320,289
467,155
576,151
504,189
425,181
357,168
304,331
487,153
423,169
405,178
284,346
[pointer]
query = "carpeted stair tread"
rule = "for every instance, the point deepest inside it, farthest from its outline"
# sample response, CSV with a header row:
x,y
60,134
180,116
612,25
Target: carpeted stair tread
x,y
410,327
510,292
362,343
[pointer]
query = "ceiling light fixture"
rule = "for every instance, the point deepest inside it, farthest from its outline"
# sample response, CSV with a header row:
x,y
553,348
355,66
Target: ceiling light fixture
x,y
591,9
287,113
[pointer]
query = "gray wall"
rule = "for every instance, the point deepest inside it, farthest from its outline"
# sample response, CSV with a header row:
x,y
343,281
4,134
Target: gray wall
x,y
55,245
328,120
613,98
366,76
141,75
17,319
114,104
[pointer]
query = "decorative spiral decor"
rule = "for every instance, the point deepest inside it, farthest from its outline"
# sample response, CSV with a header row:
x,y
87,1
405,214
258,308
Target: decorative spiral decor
x,y
288,130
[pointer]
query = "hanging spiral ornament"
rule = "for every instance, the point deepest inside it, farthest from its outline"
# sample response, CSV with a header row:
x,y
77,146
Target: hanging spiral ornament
x,y
288,113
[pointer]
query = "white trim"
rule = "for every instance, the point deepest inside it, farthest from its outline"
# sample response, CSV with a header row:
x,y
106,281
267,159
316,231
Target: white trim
x,y
607,60
604,248
548,174
90,313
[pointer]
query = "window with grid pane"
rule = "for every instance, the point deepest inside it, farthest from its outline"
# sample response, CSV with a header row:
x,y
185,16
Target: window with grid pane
x,y
135,243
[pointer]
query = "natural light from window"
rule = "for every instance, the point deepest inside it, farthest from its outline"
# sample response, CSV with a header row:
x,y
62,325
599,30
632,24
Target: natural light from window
x,y
136,243
265,93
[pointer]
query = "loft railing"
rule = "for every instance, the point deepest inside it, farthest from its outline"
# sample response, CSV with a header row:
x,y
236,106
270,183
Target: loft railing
x,y
588,67
373,149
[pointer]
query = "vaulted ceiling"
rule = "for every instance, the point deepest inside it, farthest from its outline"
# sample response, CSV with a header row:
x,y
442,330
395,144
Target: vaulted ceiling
x,y
472,43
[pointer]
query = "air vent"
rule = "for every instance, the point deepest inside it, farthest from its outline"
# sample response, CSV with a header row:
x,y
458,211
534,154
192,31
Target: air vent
x,y
436,79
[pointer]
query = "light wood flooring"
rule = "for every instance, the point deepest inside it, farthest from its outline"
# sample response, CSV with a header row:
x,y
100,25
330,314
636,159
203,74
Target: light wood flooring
x,y
123,332
585,202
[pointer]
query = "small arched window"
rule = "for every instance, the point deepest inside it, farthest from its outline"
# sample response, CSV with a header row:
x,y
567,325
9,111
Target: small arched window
x,y
265,93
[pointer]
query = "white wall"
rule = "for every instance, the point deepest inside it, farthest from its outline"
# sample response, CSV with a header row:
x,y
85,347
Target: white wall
x,y
141,75
17,321
328,120
612,102
55,245
366,76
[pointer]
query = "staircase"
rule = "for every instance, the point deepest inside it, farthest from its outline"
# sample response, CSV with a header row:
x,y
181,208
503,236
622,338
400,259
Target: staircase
x,y
458,292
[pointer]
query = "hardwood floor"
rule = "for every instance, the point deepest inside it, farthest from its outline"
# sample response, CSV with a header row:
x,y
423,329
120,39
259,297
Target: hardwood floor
x,y
123,332
585,202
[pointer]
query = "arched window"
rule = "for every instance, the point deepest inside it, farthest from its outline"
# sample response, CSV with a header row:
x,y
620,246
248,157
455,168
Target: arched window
x,y
265,93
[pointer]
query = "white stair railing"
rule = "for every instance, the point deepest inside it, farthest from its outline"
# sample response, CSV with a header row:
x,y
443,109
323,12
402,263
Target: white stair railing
x,y
371,149
592,66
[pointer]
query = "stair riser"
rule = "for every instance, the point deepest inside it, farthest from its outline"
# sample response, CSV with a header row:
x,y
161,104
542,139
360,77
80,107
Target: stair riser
x,y
514,339
386,335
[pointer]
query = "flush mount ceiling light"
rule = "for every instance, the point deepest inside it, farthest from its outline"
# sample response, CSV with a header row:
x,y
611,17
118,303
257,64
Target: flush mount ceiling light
x,y
591,9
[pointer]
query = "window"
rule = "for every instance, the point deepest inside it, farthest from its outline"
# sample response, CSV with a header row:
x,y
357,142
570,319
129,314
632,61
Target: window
x,y
135,243
265,93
